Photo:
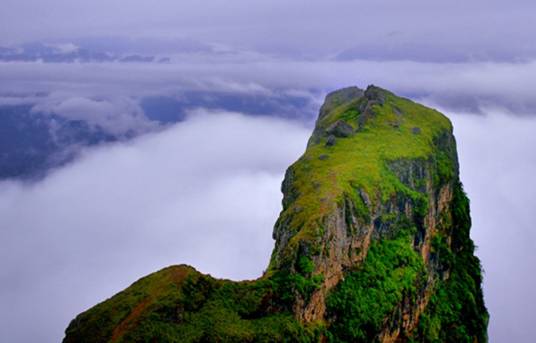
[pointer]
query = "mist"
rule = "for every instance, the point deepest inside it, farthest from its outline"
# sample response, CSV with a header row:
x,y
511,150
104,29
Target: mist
x,y
497,164
458,87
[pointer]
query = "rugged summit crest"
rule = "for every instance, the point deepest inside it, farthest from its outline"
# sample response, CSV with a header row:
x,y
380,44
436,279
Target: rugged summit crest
x,y
372,244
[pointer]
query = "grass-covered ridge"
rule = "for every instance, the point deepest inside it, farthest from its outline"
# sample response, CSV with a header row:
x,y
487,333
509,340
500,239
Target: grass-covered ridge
x,y
394,128
179,304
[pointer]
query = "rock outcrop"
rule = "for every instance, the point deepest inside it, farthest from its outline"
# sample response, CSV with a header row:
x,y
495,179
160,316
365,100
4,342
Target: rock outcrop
x,y
372,245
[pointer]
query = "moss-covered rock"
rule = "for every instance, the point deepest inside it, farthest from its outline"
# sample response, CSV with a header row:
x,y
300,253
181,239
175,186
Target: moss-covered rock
x,y
372,244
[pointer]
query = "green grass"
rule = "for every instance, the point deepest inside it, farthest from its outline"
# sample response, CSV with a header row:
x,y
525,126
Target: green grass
x,y
178,304
361,161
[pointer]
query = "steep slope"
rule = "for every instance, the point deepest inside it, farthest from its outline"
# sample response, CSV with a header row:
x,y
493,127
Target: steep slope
x,y
372,244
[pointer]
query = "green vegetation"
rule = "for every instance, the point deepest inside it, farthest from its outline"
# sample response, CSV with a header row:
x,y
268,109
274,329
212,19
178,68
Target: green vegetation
x,y
303,282
288,285
456,312
359,305
178,304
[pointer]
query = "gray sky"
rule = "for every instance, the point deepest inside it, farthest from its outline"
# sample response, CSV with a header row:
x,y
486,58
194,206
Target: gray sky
x,y
474,60
413,29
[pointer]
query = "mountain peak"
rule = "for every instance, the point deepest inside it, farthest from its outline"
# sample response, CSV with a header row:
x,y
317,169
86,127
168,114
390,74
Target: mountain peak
x,y
338,97
372,244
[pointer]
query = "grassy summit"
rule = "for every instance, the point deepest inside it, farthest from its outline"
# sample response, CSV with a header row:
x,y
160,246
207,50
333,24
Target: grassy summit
x,y
399,129
372,245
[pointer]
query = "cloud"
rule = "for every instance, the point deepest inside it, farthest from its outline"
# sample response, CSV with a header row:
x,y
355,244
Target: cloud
x,y
203,192
498,165
116,115
66,47
460,87
10,100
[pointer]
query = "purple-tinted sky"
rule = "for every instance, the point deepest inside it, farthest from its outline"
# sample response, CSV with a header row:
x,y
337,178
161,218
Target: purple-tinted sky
x,y
123,210
414,29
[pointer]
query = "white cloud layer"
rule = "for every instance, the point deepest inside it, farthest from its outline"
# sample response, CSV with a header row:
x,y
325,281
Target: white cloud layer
x,y
498,165
467,87
116,115
205,192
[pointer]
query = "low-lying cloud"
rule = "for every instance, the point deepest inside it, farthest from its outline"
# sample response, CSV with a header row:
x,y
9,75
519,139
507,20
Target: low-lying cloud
x,y
205,192
498,165
458,87
118,116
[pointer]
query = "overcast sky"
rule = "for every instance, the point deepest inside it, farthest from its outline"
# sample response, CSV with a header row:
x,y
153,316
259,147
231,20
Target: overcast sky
x,y
415,29
121,211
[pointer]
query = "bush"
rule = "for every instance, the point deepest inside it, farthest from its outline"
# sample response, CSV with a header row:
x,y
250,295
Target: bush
x,y
360,304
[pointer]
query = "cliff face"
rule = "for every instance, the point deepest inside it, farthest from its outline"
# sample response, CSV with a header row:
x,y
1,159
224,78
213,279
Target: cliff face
x,y
372,244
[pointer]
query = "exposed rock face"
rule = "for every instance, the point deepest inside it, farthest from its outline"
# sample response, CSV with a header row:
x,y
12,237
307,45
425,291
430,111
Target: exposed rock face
x,y
372,244
340,129
339,97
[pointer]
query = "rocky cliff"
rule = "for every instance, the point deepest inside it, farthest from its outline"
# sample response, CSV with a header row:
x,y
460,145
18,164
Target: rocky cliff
x,y
372,245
